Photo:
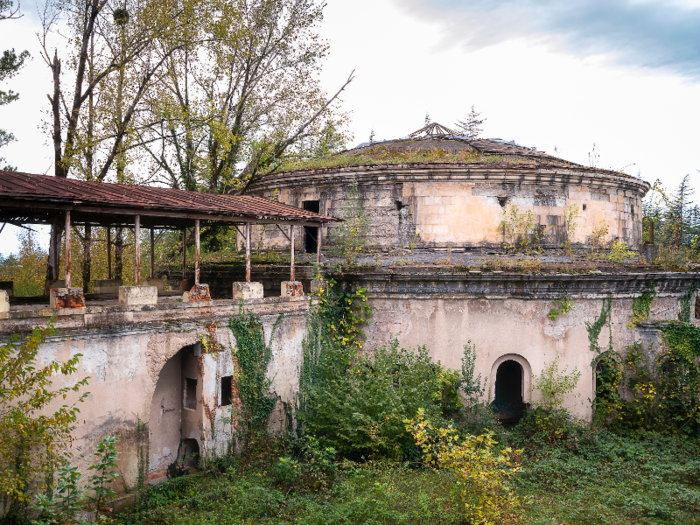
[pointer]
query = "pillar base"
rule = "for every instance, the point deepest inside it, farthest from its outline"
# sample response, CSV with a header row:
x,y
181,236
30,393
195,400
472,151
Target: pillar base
x,y
66,298
4,302
106,285
135,295
199,292
247,290
292,289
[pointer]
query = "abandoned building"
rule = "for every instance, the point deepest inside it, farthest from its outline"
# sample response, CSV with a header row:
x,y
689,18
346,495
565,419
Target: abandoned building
x,y
435,189
142,346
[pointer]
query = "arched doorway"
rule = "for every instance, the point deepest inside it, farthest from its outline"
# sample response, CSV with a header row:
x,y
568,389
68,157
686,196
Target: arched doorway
x,y
175,414
509,392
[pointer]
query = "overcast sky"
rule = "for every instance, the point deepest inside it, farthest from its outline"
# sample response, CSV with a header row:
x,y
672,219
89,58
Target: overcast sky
x,y
561,76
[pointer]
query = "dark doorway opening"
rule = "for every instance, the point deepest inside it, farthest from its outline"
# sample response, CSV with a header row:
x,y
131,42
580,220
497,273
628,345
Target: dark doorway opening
x,y
311,232
509,392
190,453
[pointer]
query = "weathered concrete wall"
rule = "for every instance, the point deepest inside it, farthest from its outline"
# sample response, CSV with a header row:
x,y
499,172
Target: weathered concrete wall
x,y
508,320
139,372
430,207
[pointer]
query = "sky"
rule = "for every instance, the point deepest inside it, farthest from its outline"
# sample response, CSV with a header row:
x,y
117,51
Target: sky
x,y
617,79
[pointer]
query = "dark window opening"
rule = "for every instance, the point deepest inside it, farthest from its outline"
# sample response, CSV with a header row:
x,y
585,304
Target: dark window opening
x,y
584,207
502,201
190,400
399,205
311,232
226,387
509,392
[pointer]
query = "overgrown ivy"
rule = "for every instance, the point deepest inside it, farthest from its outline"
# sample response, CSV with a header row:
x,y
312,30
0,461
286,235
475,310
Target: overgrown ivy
x,y
684,314
252,357
596,327
641,307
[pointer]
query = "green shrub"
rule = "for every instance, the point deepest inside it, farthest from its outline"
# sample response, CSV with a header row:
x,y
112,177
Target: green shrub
x,y
360,412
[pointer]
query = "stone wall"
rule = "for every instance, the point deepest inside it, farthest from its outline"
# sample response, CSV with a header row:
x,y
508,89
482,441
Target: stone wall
x,y
429,207
140,372
506,319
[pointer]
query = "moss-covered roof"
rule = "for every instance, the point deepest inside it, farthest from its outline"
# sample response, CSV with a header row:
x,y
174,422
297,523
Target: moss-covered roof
x,y
439,150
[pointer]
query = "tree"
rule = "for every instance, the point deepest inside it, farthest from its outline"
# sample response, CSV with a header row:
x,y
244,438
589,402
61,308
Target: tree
x,y
243,99
34,431
10,64
131,41
471,126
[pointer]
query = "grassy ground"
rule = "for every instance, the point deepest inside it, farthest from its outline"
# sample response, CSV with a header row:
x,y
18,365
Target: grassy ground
x,y
594,477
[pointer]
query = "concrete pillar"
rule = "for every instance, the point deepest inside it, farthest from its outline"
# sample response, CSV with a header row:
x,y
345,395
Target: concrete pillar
x,y
4,303
247,290
137,295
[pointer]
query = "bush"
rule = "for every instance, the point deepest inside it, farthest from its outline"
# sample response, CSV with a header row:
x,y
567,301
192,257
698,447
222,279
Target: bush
x,y
361,412
481,473
33,439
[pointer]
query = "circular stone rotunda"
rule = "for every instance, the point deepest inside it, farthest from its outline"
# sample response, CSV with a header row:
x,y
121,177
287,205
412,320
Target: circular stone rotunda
x,y
436,189
436,192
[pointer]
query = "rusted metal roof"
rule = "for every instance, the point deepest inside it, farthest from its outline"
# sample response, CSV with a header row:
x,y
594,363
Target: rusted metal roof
x,y
28,198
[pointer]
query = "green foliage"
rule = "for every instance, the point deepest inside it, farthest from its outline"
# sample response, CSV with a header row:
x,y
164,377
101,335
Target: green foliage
x,y
69,503
570,216
251,360
35,432
684,314
27,268
641,307
596,327
360,411
314,468
520,230
664,392
562,306
619,253
348,238
555,385
481,473
334,333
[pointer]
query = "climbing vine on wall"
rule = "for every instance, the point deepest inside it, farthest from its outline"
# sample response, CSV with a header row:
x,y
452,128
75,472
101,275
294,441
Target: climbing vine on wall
x,y
334,334
596,327
684,314
641,307
251,359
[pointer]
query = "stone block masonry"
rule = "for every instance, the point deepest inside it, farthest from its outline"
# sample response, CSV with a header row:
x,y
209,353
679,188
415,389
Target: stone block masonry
x,y
66,298
247,290
137,295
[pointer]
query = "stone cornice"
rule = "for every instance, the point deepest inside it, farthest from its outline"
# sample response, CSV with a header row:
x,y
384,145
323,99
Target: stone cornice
x,y
521,286
399,173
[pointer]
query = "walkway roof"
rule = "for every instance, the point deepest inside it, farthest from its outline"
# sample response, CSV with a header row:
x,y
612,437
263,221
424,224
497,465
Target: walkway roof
x,y
41,199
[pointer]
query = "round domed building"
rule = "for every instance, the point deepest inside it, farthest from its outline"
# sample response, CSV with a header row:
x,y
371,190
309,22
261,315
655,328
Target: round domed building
x,y
435,189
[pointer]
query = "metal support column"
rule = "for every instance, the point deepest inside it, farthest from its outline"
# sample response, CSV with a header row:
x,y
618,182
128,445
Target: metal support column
x,y
67,246
137,250
196,252
291,236
247,252
153,240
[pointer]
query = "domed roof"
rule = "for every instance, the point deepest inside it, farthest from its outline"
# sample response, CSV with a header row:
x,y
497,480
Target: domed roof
x,y
435,144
